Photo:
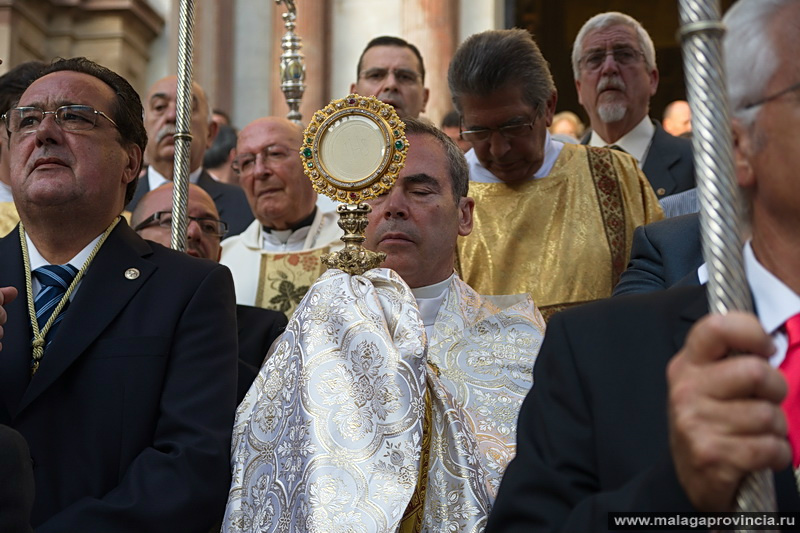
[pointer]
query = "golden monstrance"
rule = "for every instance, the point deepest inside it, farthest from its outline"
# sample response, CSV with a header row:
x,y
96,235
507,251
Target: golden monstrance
x,y
352,151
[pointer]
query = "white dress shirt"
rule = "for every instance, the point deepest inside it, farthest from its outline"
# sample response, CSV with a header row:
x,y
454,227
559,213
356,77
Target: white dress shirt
x,y
636,142
775,302
5,193
155,179
38,261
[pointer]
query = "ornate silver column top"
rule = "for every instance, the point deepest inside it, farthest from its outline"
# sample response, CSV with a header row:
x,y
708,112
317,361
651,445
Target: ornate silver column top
x,y
293,69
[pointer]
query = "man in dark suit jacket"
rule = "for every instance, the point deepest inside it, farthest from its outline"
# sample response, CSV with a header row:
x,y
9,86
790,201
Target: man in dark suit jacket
x,y
257,328
593,433
664,254
615,90
615,422
128,411
16,490
669,165
160,115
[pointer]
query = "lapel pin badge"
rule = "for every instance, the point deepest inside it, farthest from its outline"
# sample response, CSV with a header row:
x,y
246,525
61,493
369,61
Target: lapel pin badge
x,y
132,273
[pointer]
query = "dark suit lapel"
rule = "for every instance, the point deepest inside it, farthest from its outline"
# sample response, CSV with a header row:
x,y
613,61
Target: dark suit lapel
x,y
692,308
15,358
210,185
660,159
104,292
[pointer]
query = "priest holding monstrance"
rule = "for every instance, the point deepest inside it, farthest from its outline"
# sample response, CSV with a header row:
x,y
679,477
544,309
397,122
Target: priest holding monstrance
x,y
390,402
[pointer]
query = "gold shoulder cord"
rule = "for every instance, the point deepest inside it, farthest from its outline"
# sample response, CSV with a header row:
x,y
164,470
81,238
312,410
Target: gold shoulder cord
x,y
39,335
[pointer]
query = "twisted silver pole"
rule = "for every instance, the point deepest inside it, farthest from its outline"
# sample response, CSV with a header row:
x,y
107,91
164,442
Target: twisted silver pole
x,y
183,120
722,219
293,69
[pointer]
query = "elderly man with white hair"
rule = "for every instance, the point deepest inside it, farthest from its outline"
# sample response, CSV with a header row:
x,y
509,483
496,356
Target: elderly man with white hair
x,y
614,65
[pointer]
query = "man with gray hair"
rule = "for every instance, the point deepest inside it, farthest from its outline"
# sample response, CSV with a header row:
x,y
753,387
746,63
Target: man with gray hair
x,y
606,429
551,219
160,115
614,65
279,255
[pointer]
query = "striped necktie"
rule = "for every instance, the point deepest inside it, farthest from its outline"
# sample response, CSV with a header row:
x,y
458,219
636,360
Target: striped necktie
x,y
791,371
55,280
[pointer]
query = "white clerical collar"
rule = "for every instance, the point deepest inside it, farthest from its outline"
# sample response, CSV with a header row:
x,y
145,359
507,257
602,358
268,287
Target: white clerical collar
x,y
636,142
774,301
5,193
552,149
429,300
37,261
155,179
284,240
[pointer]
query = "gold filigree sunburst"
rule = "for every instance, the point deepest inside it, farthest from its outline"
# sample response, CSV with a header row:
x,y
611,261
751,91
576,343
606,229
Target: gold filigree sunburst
x,y
353,149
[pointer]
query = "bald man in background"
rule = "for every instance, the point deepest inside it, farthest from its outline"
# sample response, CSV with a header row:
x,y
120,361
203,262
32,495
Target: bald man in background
x,y
677,118
277,258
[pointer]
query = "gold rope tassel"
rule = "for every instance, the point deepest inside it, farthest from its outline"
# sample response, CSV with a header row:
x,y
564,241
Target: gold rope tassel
x,y
38,343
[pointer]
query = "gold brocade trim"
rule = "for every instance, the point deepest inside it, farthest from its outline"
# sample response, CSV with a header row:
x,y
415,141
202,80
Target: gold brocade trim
x,y
8,218
415,511
609,197
284,278
549,310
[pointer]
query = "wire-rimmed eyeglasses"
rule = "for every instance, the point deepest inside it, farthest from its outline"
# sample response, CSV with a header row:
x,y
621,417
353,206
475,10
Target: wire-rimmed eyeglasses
x,y
69,117
508,131
773,96
624,56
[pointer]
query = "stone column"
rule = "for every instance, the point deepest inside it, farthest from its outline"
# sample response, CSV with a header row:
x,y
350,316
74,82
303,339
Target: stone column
x,y
115,33
432,25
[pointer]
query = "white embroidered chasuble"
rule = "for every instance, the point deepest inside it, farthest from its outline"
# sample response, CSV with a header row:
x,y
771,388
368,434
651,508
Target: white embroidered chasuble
x,y
329,436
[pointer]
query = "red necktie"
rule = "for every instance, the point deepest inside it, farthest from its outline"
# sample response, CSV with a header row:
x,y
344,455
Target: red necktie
x,y
791,371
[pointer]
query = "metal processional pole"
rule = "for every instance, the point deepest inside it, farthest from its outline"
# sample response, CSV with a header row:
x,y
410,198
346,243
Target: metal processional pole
x,y
183,120
722,219
293,70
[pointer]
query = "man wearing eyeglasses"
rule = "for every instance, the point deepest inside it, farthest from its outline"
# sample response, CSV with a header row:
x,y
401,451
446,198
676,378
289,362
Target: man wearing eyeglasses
x,y
551,219
614,64
110,368
277,258
160,116
152,220
391,70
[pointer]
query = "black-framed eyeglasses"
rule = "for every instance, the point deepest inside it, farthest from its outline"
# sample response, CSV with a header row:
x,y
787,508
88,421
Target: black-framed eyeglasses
x,y
209,226
772,97
69,117
509,131
624,56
